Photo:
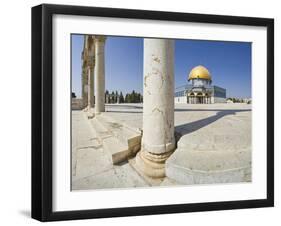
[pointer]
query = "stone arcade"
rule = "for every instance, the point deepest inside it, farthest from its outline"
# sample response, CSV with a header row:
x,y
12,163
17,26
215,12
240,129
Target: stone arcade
x,y
93,87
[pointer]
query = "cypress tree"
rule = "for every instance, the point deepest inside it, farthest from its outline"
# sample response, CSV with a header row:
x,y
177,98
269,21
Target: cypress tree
x,y
121,98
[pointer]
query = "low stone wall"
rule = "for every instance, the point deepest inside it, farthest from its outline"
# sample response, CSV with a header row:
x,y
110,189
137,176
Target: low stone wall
x,y
218,100
181,100
76,104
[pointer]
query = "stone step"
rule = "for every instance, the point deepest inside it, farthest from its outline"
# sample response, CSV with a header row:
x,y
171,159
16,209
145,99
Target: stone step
x,y
203,167
125,134
118,140
118,151
99,129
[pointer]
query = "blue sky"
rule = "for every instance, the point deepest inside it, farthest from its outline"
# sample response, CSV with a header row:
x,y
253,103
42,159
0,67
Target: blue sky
x,y
228,62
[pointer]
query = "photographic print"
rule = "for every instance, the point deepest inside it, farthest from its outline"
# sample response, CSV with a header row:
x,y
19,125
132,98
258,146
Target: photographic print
x,y
138,112
158,112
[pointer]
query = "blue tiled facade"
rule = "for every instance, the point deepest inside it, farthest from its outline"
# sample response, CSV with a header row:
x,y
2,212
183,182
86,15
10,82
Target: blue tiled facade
x,y
215,93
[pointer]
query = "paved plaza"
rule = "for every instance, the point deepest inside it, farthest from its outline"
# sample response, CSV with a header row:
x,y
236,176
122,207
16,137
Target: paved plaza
x,y
217,136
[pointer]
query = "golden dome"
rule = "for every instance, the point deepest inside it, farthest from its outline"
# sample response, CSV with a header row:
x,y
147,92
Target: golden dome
x,y
199,72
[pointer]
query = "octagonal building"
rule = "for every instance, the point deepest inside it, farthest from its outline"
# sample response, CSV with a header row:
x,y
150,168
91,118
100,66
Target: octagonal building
x,y
199,89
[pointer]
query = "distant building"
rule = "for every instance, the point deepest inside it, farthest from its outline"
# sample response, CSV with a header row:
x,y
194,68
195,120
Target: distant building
x,y
200,91
76,103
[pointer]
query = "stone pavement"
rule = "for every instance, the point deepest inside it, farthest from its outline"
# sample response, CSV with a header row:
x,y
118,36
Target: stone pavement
x,y
91,164
200,128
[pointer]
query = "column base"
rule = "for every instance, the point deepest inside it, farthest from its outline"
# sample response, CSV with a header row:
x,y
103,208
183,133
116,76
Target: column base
x,y
97,113
90,113
99,110
152,165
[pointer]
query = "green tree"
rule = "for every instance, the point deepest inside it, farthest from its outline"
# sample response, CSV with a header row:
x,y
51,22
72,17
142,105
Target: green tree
x,y
138,98
133,96
116,96
112,97
121,98
105,95
141,98
129,98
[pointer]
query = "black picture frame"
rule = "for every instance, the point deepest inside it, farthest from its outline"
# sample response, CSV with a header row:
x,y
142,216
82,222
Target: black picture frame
x,y
42,111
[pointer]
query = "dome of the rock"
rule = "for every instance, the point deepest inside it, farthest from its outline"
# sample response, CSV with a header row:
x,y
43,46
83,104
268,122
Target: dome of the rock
x,y
199,72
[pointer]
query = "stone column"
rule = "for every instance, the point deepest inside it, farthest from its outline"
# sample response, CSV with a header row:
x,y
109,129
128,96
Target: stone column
x,y
90,70
106,99
92,63
84,58
84,86
99,74
158,140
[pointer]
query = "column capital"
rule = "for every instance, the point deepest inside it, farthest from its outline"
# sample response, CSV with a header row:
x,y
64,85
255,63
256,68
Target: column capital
x,y
90,50
90,40
100,38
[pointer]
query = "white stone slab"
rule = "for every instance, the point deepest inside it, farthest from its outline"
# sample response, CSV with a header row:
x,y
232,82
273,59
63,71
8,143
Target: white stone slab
x,y
117,177
121,131
203,167
118,151
118,140
91,161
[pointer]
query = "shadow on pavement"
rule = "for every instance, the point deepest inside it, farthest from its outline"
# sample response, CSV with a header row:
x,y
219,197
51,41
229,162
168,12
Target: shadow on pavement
x,y
193,126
